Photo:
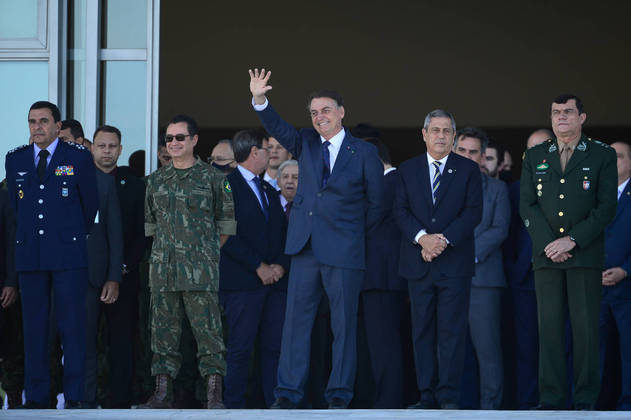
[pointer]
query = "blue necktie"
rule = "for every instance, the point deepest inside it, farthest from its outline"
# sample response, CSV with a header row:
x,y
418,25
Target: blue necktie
x,y
436,180
264,204
326,162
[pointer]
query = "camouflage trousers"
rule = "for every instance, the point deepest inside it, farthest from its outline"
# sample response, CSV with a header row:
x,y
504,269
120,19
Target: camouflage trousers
x,y
204,315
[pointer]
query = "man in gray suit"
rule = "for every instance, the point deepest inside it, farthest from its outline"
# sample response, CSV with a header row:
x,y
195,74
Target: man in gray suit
x,y
484,305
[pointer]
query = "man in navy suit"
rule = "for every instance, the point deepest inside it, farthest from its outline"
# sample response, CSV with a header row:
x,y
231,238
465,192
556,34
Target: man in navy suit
x,y
517,251
437,206
338,200
52,188
615,307
252,281
383,295
489,280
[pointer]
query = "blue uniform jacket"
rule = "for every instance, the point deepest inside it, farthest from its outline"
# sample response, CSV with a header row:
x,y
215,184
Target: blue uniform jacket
x,y
54,216
618,247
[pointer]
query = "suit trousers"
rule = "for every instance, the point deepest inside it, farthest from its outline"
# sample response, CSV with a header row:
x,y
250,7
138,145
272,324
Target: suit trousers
x,y
121,320
308,279
250,314
69,289
383,317
577,291
615,319
440,307
526,336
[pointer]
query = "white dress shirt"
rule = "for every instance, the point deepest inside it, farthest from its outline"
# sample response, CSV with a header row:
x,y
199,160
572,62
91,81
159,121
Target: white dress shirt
x,y
432,171
621,187
249,178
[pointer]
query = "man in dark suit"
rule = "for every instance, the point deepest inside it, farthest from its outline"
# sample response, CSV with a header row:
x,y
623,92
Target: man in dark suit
x,y
615,308
338,200
52,188
252,281
122,313
383,295
517,252
567,199
489,280
437,206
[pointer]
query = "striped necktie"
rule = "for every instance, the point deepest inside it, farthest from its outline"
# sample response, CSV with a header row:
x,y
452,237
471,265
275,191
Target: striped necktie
x,y
436,180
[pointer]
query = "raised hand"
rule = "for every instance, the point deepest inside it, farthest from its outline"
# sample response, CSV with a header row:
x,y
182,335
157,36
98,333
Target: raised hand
x,y
258,85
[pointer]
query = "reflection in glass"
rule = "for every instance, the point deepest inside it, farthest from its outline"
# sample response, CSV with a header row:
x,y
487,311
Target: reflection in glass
x,y
124,24
18,18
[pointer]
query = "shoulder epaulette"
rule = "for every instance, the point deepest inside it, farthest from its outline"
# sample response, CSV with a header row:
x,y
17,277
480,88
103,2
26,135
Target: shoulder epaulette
x,y
76,145
605,145
17,148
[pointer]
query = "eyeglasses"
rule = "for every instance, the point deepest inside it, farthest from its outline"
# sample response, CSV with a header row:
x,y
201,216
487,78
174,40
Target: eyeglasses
x,y
179,137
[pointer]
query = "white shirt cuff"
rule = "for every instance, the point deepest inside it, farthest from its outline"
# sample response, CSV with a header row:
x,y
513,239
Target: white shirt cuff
x,y
260,107
418,235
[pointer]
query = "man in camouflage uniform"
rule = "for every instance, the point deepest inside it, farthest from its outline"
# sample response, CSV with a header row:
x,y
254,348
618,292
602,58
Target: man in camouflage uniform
x,y
567,199
190,214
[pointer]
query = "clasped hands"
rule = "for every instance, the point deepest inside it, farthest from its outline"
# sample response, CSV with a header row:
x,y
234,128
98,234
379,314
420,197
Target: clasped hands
x,y
270,273
432,244
559,249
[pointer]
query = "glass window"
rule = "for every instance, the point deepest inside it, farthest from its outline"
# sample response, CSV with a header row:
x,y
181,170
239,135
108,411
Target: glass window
x,y
124,96
124,24
18,19
76,79
22,83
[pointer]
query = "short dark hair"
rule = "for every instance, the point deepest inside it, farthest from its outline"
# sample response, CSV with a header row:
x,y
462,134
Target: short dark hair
x,y
108,129
499,149
161,141
191,124
243,141
382,149
325,93
563,98
476,133
75,128
45,104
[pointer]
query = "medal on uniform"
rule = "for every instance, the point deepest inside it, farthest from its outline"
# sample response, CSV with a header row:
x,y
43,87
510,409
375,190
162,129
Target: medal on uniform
x,y
21,194
64,191
586,185
542,166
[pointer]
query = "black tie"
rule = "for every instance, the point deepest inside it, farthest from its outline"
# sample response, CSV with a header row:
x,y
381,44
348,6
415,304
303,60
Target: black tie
x,y
41,165
326,162
265,205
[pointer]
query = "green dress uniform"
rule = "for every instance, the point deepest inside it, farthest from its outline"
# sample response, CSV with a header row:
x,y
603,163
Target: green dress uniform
x,y
578,202
186,211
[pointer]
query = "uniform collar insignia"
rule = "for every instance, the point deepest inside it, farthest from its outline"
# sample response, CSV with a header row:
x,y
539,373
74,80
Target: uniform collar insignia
x,y
582,146
553,148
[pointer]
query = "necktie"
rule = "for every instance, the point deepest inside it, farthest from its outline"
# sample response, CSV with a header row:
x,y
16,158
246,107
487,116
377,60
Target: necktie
x,y
41,165
264,203
288,208
566,153
326,162
436,180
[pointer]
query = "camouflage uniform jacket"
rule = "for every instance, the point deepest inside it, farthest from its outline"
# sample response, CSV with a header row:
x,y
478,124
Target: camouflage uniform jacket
x,y
185,211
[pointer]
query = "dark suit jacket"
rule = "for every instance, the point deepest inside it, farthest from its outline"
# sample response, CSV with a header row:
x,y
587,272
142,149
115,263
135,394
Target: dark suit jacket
x,y
517,247
256,241
66,199
337,216
131,196
382,245
490,233
457,211
8,276
618,247
105,243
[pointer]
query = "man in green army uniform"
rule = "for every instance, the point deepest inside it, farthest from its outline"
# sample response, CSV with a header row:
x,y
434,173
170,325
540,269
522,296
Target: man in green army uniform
x,y
190,213
567,198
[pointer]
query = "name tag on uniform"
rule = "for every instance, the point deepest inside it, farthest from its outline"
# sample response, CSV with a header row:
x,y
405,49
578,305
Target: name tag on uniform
x,y
64,191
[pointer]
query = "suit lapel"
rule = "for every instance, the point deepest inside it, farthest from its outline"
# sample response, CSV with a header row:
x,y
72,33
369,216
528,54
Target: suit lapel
x,y
55,161
445,179
555,159
315,148
625,199
343,157
250,193
424,181
579,154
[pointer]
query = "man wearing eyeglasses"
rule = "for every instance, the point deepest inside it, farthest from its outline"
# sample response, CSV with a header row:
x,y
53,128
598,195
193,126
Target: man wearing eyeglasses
x,y
190,214
567,199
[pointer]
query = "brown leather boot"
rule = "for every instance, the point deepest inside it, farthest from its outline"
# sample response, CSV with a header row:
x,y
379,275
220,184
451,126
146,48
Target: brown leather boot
x,y
213,392
163,394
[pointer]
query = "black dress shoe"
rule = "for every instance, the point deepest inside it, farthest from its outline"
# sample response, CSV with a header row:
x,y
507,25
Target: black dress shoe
x,y
337,404
283,403
423,405
450,406
32,405
72,405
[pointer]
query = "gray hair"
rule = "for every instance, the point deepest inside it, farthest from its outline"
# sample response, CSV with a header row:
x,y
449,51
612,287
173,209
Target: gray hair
x,y
285,164
439,113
